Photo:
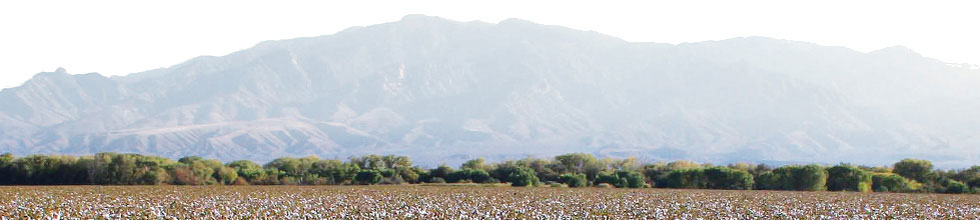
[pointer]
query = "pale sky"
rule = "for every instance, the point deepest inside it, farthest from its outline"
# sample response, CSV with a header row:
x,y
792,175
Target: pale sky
x,y
122,37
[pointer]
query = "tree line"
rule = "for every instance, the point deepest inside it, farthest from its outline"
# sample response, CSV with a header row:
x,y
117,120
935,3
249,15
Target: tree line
x,y
568,170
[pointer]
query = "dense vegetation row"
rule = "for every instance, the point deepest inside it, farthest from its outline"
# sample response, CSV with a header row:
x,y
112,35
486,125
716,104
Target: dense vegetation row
x,y
571,170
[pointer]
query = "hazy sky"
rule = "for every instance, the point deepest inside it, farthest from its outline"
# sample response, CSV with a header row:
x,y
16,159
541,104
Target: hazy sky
x,y
121,37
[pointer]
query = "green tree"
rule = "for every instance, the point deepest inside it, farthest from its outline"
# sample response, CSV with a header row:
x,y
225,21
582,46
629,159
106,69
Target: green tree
x,y
188,174
523,177
969,176
97,167
442,171
682,164
372,162
395,162
46,170
289,166
848,177
727,178
475,164
913,169
769,181
368,177
622,179
576,162
955,187
387,172
574,180
690,178
269,176
246,169
226,175
409,174
472,175
889,182
189,159
794,177
542,168
503,170
6,168
479,176
607,177
631,179
809,178
157,176
656,174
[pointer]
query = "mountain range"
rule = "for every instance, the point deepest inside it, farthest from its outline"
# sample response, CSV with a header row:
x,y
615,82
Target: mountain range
x,y
441,90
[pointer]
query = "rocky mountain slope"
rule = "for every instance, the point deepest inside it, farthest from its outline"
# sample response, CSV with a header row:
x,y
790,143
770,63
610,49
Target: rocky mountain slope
x,y
437,89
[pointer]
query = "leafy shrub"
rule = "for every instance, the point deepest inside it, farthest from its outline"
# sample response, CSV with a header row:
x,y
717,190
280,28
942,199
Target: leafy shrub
x,y
889,182
956,187
368,177
631,179
471,175
793,177
847,177
727,178
693,178
710,178
523,177
573,180
622,179
914,169
437,180
606,177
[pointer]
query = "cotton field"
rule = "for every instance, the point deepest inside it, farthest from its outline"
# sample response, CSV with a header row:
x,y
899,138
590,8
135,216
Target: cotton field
x,y
465,202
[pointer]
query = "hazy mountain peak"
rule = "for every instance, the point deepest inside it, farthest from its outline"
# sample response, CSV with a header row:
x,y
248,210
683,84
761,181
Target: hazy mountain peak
x,y
420,19
433,89
897,50
59,73
515,21
410,17
761,42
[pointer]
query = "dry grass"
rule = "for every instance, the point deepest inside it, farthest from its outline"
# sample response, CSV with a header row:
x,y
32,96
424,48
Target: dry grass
x,y
428,202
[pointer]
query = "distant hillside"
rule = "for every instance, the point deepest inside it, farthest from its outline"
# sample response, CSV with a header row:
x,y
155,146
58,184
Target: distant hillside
x,y
432,88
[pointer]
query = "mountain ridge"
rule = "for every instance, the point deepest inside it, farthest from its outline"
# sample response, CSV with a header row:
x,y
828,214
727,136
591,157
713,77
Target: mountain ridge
x,y
433,88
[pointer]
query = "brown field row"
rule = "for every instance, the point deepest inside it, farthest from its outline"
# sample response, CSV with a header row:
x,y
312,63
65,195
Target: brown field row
x,y
467,202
